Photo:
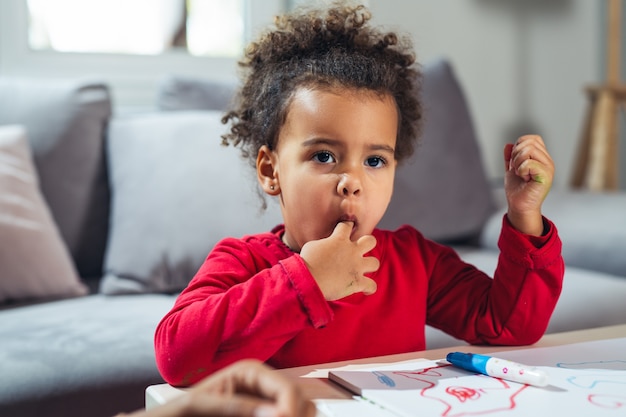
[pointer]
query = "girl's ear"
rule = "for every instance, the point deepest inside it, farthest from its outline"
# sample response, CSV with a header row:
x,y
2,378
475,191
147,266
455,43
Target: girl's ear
x,y
266,171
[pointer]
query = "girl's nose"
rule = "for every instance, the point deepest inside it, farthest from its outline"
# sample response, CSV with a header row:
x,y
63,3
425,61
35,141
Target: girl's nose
x,y
349,185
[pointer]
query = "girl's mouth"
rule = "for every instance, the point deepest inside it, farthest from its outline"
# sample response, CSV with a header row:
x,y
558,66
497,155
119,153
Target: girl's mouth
x,y
349,219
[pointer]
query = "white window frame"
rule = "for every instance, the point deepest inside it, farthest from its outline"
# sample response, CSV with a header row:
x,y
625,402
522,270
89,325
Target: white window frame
x,y
133,78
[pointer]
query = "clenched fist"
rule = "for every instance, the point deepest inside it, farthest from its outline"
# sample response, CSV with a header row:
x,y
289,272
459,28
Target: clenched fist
x,y
529,171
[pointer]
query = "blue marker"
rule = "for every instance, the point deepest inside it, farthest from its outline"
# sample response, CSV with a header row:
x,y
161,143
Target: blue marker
x,y
498,368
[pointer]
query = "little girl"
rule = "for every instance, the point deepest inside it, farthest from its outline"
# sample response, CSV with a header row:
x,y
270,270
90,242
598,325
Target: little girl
x,y
326,112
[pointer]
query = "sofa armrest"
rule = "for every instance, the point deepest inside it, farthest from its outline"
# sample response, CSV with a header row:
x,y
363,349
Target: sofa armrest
x,y
592,227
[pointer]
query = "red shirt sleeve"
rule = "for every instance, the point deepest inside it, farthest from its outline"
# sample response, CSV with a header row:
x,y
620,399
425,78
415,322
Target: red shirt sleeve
x,y
513,308
245,292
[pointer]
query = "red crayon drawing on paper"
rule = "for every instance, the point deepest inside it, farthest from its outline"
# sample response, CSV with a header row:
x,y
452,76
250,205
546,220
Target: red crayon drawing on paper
x,y
483,396
585,379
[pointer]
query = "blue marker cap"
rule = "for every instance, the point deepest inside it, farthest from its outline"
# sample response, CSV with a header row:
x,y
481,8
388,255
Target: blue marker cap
x,y
469,361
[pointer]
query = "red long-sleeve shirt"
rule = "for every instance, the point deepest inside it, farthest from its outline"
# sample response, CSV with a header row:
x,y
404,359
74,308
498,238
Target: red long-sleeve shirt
x,y
255,298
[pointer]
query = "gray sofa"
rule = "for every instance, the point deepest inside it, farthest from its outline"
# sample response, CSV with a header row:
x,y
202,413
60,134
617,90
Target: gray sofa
x,y
105,217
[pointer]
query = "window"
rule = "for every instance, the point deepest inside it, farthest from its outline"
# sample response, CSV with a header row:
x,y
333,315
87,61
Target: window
x,y
143,27
130,66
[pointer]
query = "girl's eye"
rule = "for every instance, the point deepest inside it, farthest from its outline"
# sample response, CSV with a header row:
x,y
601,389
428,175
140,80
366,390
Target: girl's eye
x,y
324,157
375,162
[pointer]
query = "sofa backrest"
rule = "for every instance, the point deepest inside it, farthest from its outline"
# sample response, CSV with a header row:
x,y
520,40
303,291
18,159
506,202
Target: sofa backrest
x,y
441,190
65,123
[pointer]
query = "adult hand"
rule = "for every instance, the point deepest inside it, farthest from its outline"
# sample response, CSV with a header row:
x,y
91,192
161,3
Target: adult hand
x,y
339,265
247,388
528,179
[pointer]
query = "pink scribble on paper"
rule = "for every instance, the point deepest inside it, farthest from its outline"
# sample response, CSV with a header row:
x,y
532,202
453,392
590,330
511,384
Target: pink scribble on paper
x,y
479,395
607,401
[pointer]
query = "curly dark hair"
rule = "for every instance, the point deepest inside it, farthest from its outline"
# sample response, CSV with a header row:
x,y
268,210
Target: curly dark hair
x,y
315,48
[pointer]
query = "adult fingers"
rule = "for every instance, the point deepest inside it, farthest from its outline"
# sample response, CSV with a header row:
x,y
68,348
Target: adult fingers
x,y
206,405
210,404
286,394
289,398
255,378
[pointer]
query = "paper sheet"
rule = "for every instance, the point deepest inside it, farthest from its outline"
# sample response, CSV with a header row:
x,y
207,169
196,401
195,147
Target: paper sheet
x,y
586,379
323,373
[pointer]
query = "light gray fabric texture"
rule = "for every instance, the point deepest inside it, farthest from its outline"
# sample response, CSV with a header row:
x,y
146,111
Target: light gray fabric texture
x,y
34,261
89,356
179,92
442,190
65,122
176,191
592,226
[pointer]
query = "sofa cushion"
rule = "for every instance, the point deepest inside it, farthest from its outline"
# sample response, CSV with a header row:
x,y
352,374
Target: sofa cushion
x,y
65,122
442,190
175,192
34,261
592,226
180,92
87,356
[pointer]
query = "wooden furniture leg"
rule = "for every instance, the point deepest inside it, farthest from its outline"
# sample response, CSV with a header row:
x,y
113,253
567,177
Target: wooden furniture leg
x,y
597,162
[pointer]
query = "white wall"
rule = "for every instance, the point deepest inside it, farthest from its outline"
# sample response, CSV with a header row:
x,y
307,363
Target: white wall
x,y
523,64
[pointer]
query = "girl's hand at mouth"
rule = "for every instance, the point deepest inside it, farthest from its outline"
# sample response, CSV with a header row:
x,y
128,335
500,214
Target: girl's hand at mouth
x,y
339,265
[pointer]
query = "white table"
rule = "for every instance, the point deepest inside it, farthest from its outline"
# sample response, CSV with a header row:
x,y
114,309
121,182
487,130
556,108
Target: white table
x,y
321,388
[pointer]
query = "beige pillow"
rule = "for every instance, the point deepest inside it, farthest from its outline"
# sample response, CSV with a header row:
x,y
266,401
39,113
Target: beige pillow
x,y
34,261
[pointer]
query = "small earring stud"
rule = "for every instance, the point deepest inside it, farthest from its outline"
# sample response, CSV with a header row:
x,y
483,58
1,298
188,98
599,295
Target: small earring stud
x,y
272,187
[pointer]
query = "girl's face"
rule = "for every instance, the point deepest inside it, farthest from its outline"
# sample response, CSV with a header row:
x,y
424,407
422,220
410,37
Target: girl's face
x,y
334,161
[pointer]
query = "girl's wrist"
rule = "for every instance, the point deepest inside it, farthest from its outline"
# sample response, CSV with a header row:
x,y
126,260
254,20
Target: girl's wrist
x,y
527,223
